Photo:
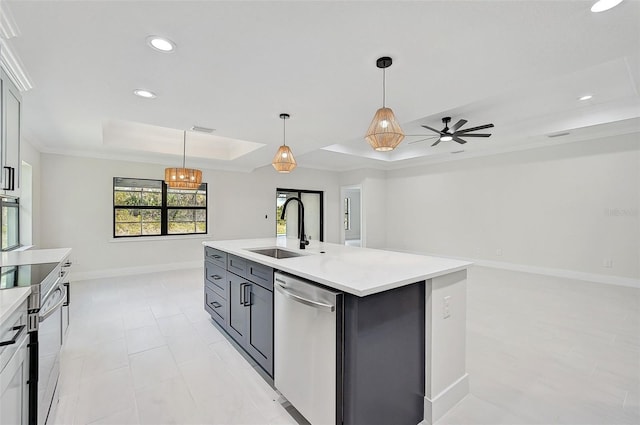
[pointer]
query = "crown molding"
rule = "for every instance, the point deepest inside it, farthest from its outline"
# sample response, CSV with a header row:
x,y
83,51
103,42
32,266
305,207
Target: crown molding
x,y
9,60
8,27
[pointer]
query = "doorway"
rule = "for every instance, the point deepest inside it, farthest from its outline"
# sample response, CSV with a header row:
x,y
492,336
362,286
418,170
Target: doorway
x,y
351,229
313,214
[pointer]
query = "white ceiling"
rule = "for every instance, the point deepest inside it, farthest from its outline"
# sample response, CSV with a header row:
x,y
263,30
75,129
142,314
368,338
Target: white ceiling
x,y
520,65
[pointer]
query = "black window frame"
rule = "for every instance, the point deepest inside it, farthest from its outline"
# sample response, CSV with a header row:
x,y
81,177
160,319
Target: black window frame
x,y
163,208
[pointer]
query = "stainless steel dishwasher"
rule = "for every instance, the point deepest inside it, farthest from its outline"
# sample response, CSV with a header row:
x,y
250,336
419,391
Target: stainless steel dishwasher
x,y
308,348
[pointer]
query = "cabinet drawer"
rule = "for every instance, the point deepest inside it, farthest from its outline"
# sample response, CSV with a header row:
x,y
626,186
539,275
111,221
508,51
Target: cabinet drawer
x,y
215,305
217,276
260,274
12,329
216,256
237,265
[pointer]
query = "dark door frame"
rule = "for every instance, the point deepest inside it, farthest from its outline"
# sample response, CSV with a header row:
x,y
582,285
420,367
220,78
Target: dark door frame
x,y
299,194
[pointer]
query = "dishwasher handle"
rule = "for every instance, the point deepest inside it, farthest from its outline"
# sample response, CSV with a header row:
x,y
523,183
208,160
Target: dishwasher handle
x,y
305,301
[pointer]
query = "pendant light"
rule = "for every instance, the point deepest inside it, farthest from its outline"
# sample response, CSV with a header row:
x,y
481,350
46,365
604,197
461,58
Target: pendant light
x,y
384,133
183,178
284,162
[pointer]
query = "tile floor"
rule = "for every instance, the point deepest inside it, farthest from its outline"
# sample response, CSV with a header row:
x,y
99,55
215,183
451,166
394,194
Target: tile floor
x,y
540,350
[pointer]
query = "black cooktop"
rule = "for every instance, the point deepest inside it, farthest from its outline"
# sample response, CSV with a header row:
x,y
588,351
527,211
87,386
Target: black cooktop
x,y
32,274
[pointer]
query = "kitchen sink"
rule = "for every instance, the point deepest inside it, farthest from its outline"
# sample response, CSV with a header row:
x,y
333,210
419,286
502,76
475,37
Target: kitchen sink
x,y
278,253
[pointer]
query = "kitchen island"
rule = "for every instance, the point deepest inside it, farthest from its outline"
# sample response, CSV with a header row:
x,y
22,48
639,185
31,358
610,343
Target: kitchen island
x,y
403,321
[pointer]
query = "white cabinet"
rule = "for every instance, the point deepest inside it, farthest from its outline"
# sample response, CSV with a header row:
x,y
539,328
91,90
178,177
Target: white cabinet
x,y
14,369
10,112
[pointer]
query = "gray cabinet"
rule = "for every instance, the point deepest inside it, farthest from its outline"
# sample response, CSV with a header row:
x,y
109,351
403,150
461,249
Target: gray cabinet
x,y
237,326
239,298
11,109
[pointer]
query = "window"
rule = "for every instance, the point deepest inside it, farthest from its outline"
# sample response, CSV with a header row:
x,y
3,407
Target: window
x,y
10,224
143,207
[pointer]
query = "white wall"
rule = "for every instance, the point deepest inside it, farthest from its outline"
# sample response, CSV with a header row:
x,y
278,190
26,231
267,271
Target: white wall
x,y
31,156
77,211
567,207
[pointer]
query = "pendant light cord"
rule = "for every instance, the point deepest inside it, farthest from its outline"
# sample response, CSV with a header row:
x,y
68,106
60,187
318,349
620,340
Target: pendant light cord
x,y
284,131
384,87
184,147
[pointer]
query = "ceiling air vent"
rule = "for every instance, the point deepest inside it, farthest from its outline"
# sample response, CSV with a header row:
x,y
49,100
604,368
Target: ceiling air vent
x,y
566,133
202,129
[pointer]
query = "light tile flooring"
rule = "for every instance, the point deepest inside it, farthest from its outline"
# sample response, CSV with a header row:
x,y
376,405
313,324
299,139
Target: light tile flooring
x,y
141,350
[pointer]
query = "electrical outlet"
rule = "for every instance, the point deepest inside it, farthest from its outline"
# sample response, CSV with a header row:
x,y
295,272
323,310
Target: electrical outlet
x,y
607,263
499,252
446,307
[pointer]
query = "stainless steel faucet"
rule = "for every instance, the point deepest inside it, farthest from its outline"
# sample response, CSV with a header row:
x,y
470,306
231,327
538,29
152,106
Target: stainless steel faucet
x,y
303,240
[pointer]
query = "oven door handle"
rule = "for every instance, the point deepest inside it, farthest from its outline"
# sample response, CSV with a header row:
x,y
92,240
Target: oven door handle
x,y
45,316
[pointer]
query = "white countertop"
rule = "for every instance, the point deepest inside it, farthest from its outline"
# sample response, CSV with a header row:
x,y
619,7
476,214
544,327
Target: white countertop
x,y
10,300
34,256
358,271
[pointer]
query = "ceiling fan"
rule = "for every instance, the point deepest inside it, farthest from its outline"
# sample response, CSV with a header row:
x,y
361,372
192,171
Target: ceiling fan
x,y
454,133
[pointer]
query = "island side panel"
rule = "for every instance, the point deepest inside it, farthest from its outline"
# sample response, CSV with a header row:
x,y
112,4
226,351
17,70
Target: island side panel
x,y
384,352
446,379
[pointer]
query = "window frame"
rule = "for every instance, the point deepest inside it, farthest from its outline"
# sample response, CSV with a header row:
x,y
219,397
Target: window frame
x,y
164,210
11,202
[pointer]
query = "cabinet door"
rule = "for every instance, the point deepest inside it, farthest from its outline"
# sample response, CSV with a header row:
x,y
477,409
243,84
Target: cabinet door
x,y
11,99
14,389
237,311
260,331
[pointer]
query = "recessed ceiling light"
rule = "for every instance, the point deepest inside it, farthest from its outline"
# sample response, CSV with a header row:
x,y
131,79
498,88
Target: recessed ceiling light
x,y
602,5
585,97
144,93
161,44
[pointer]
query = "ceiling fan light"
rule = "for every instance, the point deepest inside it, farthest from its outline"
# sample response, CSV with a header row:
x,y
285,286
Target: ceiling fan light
x,y
603,5
384,133
446,138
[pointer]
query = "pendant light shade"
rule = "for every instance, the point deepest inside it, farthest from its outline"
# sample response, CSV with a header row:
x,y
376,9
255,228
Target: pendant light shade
x,y
181,177
284,162
384,133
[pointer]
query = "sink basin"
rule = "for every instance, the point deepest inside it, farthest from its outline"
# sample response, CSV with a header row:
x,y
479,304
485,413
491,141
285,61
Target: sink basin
x,y
278,253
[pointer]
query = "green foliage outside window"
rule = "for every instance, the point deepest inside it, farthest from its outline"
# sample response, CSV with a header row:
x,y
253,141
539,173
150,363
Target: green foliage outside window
x,y
147,208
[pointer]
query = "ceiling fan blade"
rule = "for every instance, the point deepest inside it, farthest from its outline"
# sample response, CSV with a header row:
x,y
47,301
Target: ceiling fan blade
x,y
433,129
476,135
457,125
422,140
437,141
459,140
480,127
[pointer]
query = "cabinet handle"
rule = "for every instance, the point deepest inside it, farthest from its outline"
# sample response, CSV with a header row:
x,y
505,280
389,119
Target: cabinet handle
x,y
7,174
242,286
13,179
247,297
15,337
216,304
216,277
217,257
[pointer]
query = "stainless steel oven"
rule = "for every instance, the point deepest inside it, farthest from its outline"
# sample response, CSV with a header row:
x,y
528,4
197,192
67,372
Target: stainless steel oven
x,y
65,281
49,343
44,324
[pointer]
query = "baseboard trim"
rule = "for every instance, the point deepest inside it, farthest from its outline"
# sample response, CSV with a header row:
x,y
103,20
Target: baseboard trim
x,y
129,271
546,271
435,408
568,274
